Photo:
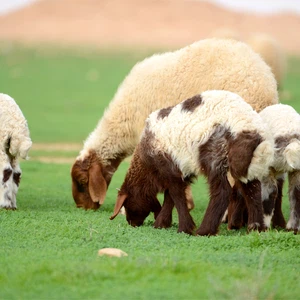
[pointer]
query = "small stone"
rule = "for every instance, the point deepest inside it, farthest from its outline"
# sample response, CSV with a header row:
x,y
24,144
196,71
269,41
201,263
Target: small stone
x,y
112,252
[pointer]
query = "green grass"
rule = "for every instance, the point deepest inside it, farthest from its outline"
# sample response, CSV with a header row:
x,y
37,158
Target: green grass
x,y
48,247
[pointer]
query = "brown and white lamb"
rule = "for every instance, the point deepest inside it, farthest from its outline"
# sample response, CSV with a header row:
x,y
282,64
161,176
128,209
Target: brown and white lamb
x,y
216,134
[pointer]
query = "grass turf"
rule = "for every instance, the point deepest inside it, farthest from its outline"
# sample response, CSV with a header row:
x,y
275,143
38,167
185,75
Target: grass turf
x,y
48,248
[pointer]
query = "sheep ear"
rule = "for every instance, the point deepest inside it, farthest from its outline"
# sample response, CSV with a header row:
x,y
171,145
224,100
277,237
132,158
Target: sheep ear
x,y
97,183
120,201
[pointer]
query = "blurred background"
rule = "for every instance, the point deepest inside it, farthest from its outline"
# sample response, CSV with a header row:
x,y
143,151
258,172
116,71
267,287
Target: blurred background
x,y
165,23
62,60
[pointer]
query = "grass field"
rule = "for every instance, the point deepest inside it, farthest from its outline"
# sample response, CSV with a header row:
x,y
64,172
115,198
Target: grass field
x,y
48,247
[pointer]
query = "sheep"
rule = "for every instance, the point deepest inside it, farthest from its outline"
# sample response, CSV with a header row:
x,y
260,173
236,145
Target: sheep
x,y
284,124
15,143
160,81
216,134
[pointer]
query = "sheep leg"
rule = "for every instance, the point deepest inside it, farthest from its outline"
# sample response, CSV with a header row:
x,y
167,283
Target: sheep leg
x,y
156,207
164,218
294,197
186,222
236,209
269,196
251,191
220,191
278,218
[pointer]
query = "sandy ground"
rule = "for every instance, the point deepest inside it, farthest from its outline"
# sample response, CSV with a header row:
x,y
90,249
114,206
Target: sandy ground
x,y
143,23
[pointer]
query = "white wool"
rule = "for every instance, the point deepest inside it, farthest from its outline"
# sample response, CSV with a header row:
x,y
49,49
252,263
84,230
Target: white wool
x,y
284,121
182,132
166,79
14,127
284,124
14,142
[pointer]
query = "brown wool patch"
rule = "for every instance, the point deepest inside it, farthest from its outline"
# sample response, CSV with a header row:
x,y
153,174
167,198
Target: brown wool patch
x,y
6,175
283,141
192,103
164,112
17,178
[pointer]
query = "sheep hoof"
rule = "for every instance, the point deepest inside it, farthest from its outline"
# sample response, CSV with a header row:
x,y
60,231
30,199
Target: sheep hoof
x,y
256,226
162,223
234,226
187,228
205,232
294,229
8,206
187,231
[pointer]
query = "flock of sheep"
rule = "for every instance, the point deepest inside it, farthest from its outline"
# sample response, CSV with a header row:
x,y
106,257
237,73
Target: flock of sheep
x,y
210,108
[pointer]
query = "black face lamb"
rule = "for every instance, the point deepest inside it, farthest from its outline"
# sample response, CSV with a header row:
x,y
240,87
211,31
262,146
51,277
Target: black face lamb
x,y
216,134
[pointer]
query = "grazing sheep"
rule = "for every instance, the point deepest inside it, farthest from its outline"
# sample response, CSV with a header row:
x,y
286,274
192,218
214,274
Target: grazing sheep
x,y
15,142
216,134
272,53
284,124
160,81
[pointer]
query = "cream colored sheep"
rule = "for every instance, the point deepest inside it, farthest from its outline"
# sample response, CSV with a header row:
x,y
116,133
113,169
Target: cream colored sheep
x,y
15,143
159,81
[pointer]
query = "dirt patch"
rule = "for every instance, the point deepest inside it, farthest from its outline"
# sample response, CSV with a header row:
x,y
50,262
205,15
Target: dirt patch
x,y
131,23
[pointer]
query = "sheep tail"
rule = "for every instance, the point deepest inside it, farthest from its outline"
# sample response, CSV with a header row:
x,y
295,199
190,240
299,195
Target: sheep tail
x,y
291,154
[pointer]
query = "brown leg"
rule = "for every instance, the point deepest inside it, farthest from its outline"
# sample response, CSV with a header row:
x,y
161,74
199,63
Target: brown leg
x,y
251,191
164,218
220,191
294,197
236,209
278,218
186,222
156,207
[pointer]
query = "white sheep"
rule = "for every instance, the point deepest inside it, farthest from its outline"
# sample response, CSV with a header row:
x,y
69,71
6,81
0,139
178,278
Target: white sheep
x,y
216,134
284,124
15,142
160,81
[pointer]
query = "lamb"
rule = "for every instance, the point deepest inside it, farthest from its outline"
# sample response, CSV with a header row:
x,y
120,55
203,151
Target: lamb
x,y
284,123
15,143
160,81
216,134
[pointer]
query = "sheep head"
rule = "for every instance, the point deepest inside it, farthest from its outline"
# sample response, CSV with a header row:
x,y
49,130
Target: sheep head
x,y
88,183
137,208
91,178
